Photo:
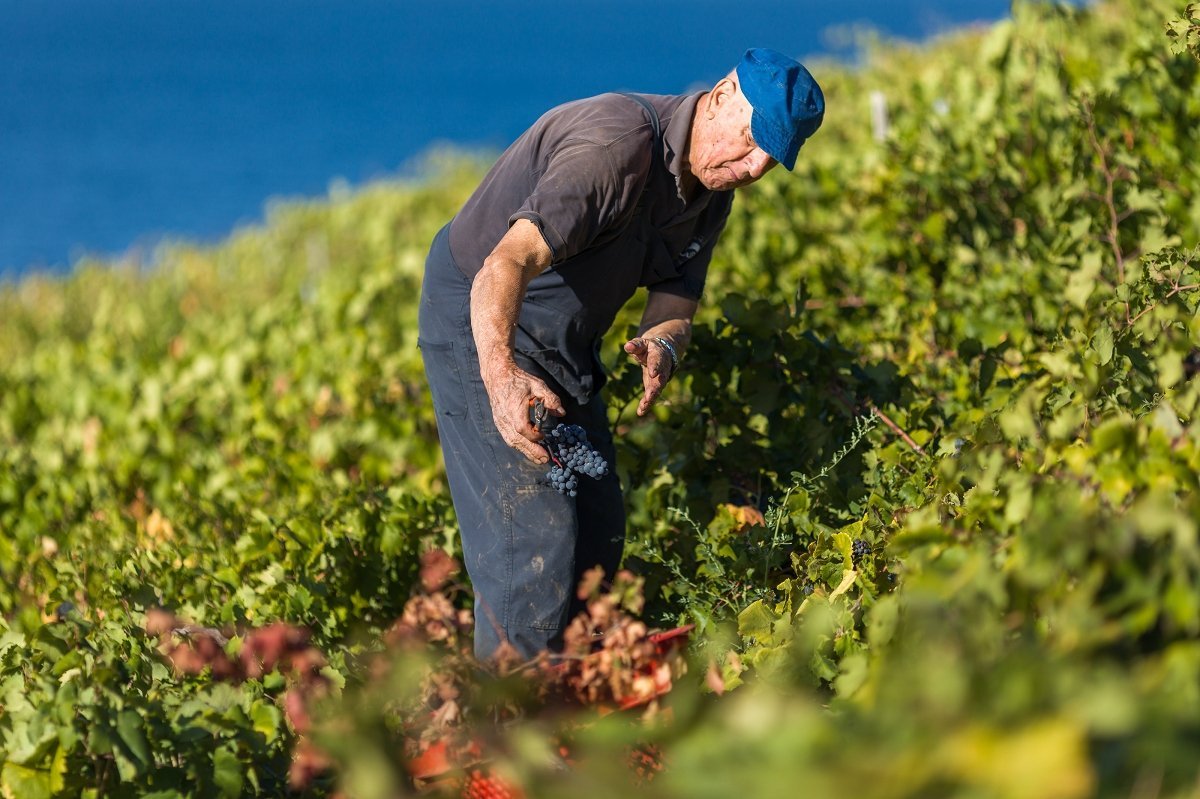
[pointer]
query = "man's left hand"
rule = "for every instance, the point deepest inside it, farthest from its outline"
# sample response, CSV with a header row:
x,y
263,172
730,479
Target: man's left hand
x,y
656,368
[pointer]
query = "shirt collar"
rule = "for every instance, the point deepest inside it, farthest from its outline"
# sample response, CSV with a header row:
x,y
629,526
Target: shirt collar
x,y
676,135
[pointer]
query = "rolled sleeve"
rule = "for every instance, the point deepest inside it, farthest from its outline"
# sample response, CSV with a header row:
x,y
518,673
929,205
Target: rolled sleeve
x,y
581,194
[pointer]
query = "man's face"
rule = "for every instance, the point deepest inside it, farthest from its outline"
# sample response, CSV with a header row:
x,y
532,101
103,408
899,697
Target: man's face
x,y
723,153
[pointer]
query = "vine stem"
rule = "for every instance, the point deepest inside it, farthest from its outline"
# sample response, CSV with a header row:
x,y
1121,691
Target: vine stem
x,y
1111,176
853,301
871,406
1175,289
895,428
1110,182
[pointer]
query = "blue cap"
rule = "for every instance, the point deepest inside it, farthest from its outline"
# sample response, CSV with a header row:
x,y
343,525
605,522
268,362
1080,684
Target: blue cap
x,y
788,104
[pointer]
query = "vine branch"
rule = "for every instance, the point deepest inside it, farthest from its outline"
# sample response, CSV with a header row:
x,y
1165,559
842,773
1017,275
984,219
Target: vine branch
x,y
840,395
853,301
1111,177
1175,289
895,428
1108,198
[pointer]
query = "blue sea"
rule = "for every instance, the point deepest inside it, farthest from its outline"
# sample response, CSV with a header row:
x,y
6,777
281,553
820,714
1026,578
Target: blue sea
x,y
123,122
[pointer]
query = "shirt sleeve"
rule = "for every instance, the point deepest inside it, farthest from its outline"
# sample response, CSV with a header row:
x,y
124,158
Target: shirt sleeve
x,y
582,193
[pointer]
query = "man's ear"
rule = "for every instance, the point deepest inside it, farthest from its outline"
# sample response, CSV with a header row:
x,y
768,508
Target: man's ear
x,y
721,94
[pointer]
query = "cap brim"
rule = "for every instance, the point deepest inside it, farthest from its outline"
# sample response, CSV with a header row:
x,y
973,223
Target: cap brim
x,y
772,143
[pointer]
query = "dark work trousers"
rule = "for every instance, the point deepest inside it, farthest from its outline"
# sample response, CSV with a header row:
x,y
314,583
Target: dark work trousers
x,y
525,545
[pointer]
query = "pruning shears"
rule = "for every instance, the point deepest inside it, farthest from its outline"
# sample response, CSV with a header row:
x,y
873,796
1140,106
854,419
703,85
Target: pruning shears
x,y
539,417
543,421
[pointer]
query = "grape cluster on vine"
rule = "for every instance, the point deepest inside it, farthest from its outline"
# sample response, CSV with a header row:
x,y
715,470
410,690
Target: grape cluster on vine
x,y
571,454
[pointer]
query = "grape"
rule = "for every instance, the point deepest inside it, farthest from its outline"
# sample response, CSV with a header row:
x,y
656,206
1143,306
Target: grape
x,y
859,550
572,455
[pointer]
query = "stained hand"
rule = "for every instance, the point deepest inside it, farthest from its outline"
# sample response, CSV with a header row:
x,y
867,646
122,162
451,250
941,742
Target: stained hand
x,y
656,369
511,393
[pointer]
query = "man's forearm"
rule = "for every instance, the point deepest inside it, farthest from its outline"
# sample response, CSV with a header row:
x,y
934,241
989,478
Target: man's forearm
x,y
497,293
669,317
496,298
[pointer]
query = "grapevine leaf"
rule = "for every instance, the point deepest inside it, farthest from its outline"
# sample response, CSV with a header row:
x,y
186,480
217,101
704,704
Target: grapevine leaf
x,y
227,773
132,733
25,782
1102,343
845,585
756,622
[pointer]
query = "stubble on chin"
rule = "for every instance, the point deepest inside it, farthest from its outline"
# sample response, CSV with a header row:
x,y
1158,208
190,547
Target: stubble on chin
x,y
721,180
713,179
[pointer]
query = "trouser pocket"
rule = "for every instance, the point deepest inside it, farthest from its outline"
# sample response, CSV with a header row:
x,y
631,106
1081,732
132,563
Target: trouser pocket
x,y
445,381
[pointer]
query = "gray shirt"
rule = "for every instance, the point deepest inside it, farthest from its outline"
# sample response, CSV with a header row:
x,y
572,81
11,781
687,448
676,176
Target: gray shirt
x,y
610,208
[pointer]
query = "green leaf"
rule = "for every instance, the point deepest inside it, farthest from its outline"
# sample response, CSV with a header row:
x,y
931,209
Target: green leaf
x,y
921,527
756,622
1020,498
58,768
131,731
22,782
54,640
1019,422
1116,434
1082,281
266,717
843,542
1067,421
227,773
1102,344
882,620
847,581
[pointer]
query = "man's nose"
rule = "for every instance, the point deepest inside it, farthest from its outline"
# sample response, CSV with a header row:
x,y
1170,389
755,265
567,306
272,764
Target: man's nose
x,y
758,162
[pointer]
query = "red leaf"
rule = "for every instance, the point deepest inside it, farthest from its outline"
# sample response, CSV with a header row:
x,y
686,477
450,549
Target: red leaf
x,y
436,569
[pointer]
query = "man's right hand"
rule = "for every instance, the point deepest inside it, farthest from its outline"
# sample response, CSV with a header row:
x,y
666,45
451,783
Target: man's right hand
x,y
511,392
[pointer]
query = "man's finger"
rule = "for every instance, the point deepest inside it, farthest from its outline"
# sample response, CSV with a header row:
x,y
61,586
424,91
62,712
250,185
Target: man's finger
x,y
553,403
530,450
539,389
652,375
534,453
645,404
648,397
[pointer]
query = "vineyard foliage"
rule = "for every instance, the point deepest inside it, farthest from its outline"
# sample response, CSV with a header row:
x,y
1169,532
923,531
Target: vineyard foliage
x,y
926,483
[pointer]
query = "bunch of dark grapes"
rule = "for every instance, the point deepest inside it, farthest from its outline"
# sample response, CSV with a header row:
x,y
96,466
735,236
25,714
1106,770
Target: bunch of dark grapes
x,y
571,453
859,550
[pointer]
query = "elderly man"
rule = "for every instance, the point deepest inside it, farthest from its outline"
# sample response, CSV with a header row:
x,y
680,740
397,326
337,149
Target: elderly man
x,y
599,197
